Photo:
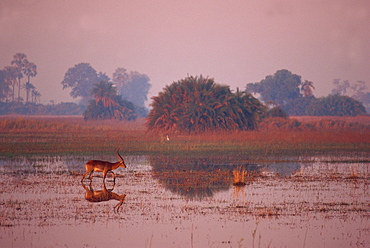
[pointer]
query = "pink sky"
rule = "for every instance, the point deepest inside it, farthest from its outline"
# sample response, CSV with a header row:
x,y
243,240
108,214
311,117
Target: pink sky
x,y
235,42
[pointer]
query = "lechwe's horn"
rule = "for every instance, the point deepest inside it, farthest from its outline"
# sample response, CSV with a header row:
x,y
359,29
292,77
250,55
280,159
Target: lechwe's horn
x,y
118,155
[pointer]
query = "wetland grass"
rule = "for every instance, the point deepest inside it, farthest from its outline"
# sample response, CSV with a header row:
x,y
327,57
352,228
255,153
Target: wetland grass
x,y
72,135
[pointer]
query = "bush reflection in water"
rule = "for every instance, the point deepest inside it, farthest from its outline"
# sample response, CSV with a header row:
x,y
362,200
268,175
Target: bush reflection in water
x,y
196,178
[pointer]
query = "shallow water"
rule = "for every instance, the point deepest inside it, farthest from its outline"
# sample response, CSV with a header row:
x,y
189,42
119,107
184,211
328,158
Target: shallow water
x,y
178,202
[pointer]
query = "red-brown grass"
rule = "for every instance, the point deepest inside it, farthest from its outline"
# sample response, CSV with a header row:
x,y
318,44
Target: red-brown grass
x,y
361,119
25,135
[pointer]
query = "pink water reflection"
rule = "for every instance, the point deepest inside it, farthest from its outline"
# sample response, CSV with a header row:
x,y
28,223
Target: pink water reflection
x,y
316,207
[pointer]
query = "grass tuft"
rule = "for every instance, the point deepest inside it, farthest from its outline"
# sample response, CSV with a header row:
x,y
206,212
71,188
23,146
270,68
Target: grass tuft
x,y
239,175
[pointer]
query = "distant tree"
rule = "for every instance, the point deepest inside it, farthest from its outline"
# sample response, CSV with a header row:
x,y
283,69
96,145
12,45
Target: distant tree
x,y
133,86
107,104
137,88
341,87
357,90
120,77
336,105
13,74
81,78
278,89
35,96
361,93
30,70
103,77
198,104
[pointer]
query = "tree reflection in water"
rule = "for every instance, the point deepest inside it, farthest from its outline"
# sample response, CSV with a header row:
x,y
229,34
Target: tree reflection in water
x,y
201,177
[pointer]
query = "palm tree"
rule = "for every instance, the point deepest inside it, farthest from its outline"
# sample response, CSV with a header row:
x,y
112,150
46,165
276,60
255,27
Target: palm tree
x,y
307,87
107,104
19,61
164,116
28,87
106,93
30,71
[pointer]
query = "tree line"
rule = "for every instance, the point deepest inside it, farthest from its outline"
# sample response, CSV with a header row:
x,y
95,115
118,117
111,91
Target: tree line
x,y
11,80
192,105
287,91
128,91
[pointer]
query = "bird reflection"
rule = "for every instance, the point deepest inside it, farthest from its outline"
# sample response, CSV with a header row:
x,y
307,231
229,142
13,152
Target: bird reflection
x,y
105,194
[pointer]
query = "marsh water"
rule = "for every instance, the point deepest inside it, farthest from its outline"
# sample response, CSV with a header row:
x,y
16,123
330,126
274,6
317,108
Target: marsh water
x,y
168,201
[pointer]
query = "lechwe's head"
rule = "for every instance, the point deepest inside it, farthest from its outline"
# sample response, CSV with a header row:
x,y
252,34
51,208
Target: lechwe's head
x,y
122,162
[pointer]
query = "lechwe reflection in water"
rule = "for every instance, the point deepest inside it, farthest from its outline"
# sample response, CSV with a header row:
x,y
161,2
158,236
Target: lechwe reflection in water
x,y
92,195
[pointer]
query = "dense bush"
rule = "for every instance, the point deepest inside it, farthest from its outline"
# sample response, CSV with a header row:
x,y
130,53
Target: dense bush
x,y
40,109
197,104
332,105
276,112
298,106
124,110
107,104
335,105
278,123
